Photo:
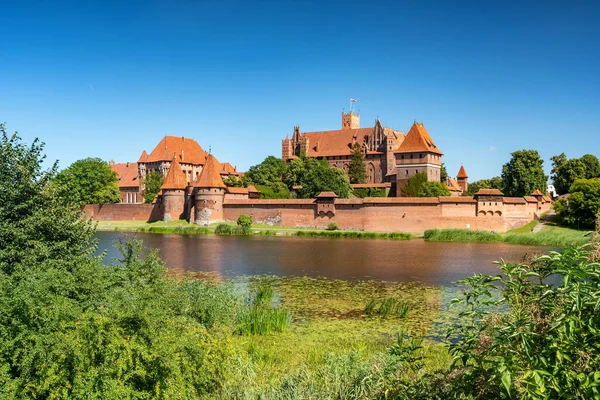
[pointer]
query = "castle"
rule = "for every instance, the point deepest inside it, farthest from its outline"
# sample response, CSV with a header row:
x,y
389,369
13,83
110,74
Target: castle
x,y
391,157
188,153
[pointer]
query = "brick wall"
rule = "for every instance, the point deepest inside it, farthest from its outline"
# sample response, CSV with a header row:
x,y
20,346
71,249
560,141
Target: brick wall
x,y
124,212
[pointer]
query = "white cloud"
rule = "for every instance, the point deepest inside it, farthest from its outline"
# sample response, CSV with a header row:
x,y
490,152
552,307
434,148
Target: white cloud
x,y
492,148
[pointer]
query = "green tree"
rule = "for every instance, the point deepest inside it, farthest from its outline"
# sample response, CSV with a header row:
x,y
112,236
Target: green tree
x,y
357,172
433,189
592,166
245,221
270,171
234,181
566,173
322,178
413,185
580,208
90,181
524,174
152,184
443,174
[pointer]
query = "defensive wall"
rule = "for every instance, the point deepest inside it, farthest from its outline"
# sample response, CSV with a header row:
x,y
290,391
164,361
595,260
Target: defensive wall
x,y
399,214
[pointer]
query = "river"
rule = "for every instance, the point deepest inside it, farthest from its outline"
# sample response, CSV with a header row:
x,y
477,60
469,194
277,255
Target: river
x,y
431,263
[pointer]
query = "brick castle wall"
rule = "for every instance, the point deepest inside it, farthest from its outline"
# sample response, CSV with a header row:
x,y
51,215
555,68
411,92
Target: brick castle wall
x,y
370,214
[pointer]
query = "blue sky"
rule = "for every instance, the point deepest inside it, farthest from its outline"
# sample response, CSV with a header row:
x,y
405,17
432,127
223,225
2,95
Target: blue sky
x,y
109,79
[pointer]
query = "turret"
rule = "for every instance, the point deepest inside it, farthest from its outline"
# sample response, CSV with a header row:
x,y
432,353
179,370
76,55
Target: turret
x,y
350,120
210,193
462,179
173,192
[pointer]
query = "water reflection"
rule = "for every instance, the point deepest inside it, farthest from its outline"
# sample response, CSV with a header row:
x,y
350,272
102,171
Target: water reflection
x,y
403,261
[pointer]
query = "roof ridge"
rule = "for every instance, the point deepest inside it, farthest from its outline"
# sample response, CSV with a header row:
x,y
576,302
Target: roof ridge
x,y
210,176
175,178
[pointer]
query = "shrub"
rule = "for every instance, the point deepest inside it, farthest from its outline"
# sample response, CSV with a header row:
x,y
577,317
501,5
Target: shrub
x,y
224,230
245,221
332,226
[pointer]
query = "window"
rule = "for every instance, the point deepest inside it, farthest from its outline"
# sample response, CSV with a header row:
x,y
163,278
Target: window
x,y
411,156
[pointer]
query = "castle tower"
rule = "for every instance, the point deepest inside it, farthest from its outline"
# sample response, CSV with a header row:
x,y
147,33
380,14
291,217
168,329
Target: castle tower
x,y
287,150
350,120
173,192
462,179
210,193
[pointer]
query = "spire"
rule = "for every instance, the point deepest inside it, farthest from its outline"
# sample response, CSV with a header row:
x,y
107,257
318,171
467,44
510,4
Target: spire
x,y
462,173
210,177
175,177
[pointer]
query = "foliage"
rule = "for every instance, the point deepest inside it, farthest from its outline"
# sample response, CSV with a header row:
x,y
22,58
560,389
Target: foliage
x,y
228,230
443,174
580,208
493,183
413,185
267,173
369,192
524,174
460,235
323,178
433,189
357,172
276,191
245,221
523,335
332,226
89,181
71,327
152,184
234,181
565,172
592,166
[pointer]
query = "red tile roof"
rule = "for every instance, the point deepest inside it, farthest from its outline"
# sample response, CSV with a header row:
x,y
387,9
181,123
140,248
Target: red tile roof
x,y
453,186
237,190
210,177
252,189
537,193
530,199
514,200
327,195
143,157
457,199
128,174
402,200
227,169
175,178
418,139
462,173
339,142
489,192
186,150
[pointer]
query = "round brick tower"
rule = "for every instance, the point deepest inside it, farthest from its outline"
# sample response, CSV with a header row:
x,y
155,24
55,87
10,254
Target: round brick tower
x,y
210,193
173,193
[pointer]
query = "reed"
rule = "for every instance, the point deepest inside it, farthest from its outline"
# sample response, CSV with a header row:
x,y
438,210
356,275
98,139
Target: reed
x,y
356,235
388,307
461,235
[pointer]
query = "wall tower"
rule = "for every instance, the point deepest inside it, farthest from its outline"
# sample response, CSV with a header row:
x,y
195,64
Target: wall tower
x,y
210,193
173,192
350,120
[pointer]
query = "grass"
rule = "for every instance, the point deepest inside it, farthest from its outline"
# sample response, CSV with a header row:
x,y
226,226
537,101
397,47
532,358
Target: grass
x,y
329,323
550,235
525,228
385,308
356,234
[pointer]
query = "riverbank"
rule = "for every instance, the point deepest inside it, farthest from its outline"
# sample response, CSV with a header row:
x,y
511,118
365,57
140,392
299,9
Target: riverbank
x,y
182,227
549,235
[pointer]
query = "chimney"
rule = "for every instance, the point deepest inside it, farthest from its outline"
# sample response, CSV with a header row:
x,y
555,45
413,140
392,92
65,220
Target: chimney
x,y
127,165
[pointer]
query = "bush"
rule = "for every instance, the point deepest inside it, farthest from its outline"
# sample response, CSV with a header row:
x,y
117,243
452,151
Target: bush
x,y
224,230
522,334
332,226
369,192
245,221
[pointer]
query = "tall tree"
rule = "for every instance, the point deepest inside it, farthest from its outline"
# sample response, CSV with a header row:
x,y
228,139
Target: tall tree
x,y
413,185
443,174
581,207
268,172
492,183
90,181
566,172
524,174
357,172
592,166
152,184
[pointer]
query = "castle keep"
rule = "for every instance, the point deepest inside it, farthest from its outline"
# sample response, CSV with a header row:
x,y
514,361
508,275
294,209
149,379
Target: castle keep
x,y
390,155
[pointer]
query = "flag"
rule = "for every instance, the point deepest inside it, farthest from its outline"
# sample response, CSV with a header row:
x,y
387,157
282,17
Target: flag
x,y
353,101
